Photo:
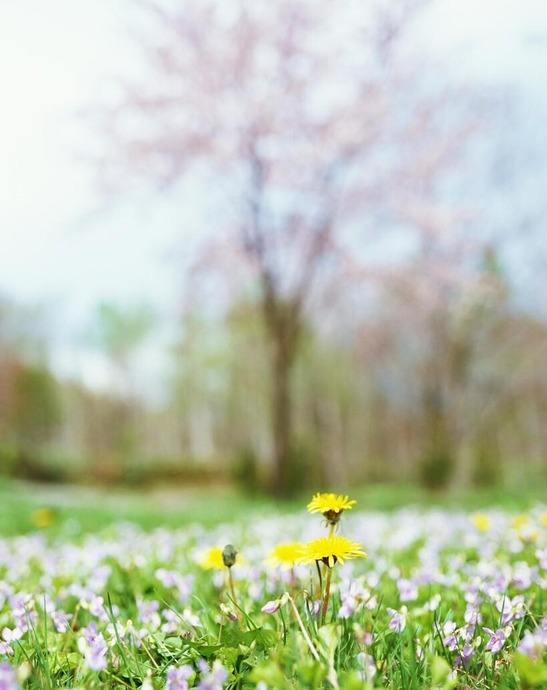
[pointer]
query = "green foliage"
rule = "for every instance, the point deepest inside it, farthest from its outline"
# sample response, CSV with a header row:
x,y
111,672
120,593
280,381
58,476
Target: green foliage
x,y
437,467
486,466
36,410
306,469
441,676
245,470
120,330
533,673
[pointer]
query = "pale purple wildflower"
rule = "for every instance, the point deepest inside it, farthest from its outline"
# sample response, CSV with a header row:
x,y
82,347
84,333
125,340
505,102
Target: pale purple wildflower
x,y
314,607
98,609
215,679
352,598
171,578
8,679
23,613
177,677
99,578
148,613
367,664
10,635
272,606
94,648
472,617
60,621
398,619
534,644
6,591
466,652
496,641
433,603
510,609
407,590
95,655
172,621
541,555
449,639
523,575
168,578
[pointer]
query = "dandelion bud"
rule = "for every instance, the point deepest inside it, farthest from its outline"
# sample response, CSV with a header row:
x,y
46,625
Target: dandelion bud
x,y
229,555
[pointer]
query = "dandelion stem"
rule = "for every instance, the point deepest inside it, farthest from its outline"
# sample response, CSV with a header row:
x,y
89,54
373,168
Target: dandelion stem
x,y
303,630
326,596
320,579
284,626
293,581
233,593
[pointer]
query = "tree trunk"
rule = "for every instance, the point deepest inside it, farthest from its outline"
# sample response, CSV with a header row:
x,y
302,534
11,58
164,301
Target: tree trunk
x,y
437,465
282,361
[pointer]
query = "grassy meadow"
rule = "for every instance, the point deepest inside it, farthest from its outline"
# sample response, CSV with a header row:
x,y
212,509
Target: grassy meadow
x,y
91,508
118,589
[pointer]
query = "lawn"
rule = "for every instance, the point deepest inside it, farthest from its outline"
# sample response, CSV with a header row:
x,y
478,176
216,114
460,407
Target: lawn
x,y
84,509
173,589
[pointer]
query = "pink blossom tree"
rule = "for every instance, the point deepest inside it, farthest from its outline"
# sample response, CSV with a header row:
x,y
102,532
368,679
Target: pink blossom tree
x,y
309,120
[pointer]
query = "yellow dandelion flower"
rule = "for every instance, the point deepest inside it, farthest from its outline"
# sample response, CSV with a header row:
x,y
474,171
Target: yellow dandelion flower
x,y
520,521
285,554
331,506
42,517
211,559
529,533
481,521
544,518
525,527
330,550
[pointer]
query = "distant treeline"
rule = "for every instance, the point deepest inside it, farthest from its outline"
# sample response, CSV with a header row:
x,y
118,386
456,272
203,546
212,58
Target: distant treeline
x,y
451,395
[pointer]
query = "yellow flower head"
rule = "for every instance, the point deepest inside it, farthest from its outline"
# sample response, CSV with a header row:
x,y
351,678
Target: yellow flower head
x,y
526,529
544,518
331,506
481,521
520,521
285,554
330,550
211,559
42,517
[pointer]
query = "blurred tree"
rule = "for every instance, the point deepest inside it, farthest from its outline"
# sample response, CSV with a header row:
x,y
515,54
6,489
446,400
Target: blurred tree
x,y
299,114
30,411
34,410
120,333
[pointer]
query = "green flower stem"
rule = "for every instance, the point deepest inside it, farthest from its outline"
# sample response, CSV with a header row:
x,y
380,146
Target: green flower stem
x,y
326,596
313,650
233,593
320,577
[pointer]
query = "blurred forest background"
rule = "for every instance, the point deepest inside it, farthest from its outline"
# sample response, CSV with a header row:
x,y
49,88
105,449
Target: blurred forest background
x,y
360,295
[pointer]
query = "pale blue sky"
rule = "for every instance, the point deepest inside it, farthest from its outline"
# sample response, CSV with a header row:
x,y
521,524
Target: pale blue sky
x,y
56,57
